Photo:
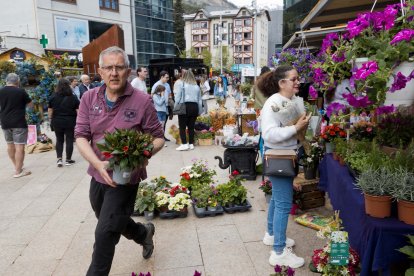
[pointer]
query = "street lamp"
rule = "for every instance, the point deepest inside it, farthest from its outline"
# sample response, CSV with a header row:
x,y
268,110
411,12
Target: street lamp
x,y
254,4
220,39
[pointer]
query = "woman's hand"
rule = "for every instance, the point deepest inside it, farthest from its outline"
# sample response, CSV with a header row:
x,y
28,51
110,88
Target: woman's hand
x,y
303,122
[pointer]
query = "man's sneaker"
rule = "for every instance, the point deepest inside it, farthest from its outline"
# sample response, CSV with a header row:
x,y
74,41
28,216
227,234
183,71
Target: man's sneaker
x,y
148,243
69,162
59,163
287,258
183,147
269,240
191,146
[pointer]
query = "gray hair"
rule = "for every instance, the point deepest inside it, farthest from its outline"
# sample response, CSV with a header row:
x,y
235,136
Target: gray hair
x,y
12,79
113,50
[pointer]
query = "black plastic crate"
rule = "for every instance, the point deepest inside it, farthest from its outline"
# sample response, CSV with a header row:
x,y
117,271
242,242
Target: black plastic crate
x,y
207,213
237,208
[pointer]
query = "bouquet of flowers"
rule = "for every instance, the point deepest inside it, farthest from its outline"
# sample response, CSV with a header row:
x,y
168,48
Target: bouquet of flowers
x,y
363,130
331,132
289,111
127,148
266,187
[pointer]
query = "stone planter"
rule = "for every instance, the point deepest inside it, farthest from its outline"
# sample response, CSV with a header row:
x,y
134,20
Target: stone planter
x,y
121,176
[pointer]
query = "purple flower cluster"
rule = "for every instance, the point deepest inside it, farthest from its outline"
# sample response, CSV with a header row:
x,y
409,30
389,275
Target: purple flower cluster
x,y
400,81
404,35
335,108
356,26
286,271
366,69
338,57
357,101
328,42
385,109
312,92
319,76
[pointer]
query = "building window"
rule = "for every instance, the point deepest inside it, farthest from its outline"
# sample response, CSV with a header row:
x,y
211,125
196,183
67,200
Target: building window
x,y
237,36
237,60
201,16
247,48
244,12
195,37
246,60
247,22
247,35
109,5
224,24
238,48
66,1
203,25
203,38
223,37
238,23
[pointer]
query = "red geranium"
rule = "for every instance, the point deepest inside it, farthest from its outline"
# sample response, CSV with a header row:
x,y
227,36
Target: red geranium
x,y
186,176
331,132
235,172
125,149
107,154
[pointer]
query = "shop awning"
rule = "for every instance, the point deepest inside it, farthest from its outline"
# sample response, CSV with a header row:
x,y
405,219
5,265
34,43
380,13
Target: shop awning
x,y
313,37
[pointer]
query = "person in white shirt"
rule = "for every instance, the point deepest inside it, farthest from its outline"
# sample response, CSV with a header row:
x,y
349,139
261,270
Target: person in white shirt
x,y
85,85
205,92
139,81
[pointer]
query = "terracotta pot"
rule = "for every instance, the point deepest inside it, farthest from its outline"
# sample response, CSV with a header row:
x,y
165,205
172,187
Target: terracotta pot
x,y
378,206
335,156
406,211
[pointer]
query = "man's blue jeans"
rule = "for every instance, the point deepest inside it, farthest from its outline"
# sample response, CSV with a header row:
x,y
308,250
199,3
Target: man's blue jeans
x,y
279,208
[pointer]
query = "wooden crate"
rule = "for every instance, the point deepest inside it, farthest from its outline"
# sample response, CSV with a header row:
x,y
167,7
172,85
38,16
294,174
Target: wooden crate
x,y
306,185
309,204
309,196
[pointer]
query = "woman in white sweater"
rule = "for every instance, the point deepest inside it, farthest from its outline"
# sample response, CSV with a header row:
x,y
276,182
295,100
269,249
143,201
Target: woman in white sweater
x,y
283,116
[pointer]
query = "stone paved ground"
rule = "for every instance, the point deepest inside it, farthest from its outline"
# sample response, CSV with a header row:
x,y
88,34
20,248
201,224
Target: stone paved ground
x,y
47,225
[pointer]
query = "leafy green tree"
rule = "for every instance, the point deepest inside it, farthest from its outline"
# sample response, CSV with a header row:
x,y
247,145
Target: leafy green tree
x,y
207,57
179,24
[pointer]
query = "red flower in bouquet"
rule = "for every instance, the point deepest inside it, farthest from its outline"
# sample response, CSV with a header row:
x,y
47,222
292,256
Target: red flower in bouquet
x,y
107,155
125,149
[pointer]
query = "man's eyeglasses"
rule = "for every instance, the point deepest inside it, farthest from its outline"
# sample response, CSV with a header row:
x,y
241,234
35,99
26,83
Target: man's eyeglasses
x,y
293,79
117,68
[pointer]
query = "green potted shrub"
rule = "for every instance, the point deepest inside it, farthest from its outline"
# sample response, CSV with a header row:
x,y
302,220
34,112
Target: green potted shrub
x,y
146,200
341,148
395,131
375,184
403,192
200,196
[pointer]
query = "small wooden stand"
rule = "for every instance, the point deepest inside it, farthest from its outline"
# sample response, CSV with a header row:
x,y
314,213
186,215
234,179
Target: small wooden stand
x,y
309,196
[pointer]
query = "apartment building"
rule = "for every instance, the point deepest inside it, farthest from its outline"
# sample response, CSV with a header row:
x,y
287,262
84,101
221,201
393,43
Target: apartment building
x,y
243,31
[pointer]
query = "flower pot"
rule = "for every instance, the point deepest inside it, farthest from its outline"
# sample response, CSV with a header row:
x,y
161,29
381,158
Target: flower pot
x,y
209,208
404,96
121,176
329,147
309,172
268,197
341,160
377,206
406,211
335,156
149,215
205,142
199,209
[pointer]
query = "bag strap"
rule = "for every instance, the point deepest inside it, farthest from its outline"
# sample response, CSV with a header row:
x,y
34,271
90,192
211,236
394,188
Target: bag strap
x,y
183,95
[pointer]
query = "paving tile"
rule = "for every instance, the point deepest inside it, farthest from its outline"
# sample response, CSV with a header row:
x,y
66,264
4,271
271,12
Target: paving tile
x,y
9,253
183,271
22,230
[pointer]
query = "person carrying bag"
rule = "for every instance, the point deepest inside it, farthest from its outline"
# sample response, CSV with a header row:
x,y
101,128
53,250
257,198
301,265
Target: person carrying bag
x,y
179,107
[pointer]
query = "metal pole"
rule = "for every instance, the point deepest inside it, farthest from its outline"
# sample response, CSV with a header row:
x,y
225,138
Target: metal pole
x,y
221,45
254,40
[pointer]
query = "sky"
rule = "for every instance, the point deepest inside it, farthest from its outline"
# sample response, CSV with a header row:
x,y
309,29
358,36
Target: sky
x,y
260,3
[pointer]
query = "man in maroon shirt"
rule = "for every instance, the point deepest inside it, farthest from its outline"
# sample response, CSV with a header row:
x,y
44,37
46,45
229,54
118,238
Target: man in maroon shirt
x,y
116,104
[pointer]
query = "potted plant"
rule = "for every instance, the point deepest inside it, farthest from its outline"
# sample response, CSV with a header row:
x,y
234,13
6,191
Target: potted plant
x,y
283,271
341,148
299,58
200,196
146,200
310,160
375,184
403,192
329,134
205,137
179,203
395,130
363,130
233,192
266,187
126,150
197,174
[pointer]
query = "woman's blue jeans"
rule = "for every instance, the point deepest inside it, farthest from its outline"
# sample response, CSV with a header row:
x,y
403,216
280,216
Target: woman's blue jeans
x,y
279,208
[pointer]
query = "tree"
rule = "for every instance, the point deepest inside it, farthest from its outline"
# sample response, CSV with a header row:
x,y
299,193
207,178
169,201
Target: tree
x,y
179,24
226,58
207,57
189,53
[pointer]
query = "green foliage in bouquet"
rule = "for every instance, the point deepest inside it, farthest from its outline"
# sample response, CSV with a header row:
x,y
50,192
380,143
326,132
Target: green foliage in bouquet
x,y
127,148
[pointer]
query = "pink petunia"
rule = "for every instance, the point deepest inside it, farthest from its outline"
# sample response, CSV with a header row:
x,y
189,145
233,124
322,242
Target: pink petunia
x,y
366,69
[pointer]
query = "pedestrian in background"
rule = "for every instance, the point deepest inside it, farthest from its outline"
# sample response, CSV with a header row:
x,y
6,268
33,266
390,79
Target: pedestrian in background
x,y
13,102
205,93
160,103
74,85
139,82
62,111
280,87
85,84
190,95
